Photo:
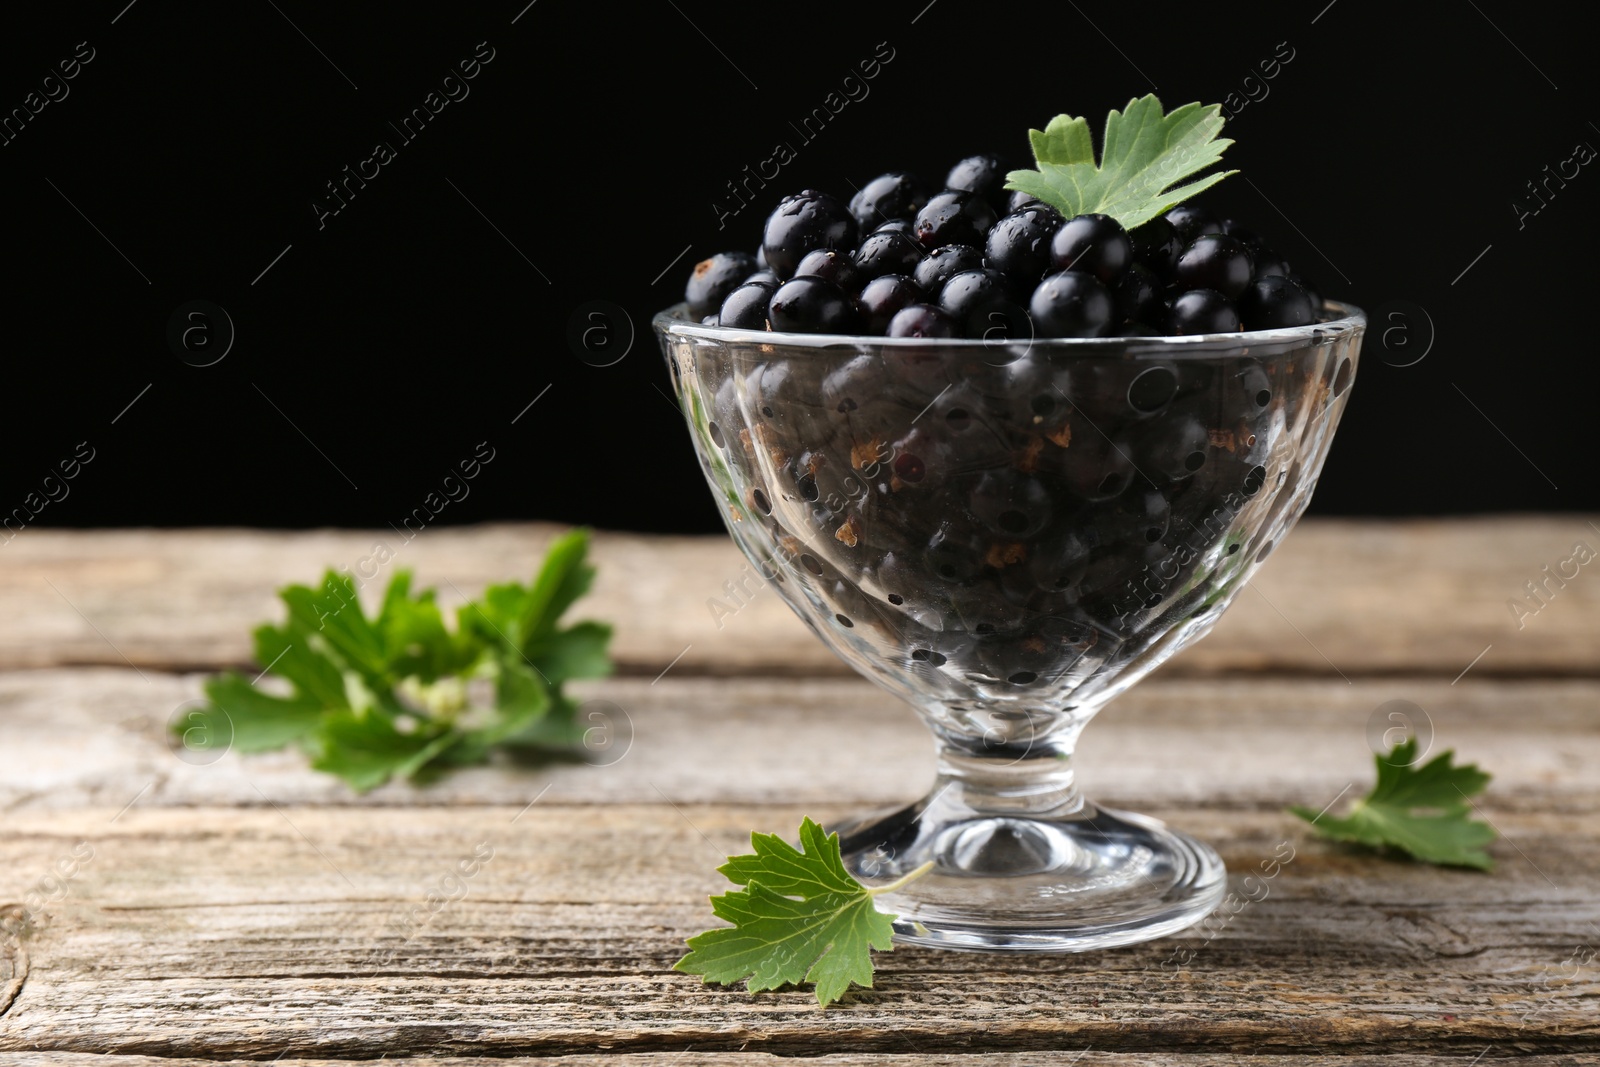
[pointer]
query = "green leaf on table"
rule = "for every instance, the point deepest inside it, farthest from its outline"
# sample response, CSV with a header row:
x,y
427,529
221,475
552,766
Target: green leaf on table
x,y
1144,155
579,651
1424,811
800,917
392,695
366,749
246,718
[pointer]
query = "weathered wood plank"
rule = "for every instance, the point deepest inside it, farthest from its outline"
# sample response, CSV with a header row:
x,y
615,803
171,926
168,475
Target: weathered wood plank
x,y
1088,1058
228,932
97,737
1355,597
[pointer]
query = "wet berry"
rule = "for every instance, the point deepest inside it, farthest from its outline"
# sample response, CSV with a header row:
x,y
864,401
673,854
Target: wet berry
x,y
937,267
746,307
1092,244
1191,220
895,195
831,265
713,279
955,218
883,297
888,251
922,320
802,222
1274,303
1139,296
1019,244
983,174
980,300
1156,246
1202,311
1215,261
811,305
1071,304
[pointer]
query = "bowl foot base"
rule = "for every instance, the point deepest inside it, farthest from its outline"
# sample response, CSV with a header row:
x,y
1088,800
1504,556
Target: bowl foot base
x,y
1091,879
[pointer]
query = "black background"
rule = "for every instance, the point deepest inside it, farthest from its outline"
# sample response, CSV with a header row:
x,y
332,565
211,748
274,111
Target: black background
x,y
380,349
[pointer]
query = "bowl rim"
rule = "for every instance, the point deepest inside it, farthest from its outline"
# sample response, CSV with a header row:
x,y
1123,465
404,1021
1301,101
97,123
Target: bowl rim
x,y
673,321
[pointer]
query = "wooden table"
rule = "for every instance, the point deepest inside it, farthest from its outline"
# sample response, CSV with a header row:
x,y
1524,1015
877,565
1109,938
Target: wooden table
x,y
246,909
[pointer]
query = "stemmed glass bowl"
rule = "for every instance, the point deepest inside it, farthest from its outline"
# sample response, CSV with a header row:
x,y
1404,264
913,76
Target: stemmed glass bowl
x,y
1007,535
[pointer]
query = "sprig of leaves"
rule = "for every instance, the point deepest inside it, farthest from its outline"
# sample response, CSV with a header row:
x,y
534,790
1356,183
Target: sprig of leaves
x,y
800,917
394,695
1145,153
1423,811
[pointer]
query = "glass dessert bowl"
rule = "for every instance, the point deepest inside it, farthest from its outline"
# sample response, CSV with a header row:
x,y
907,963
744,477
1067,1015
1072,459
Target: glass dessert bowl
x,y
1008,535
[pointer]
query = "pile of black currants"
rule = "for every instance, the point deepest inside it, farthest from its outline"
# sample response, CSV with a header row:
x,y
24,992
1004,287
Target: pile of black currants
x,y
978,261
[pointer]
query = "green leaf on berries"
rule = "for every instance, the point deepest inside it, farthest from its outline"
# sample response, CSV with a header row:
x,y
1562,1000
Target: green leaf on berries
x,y
1423,811
1064,141
1145,154
800,917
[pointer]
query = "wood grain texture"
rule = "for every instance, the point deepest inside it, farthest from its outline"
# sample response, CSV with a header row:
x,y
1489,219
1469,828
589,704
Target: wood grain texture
x,y
228,932
696,1058
1242,743
1339,596
155,910
246,908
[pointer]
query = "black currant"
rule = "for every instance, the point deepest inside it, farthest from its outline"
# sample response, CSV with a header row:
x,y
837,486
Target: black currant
x,y
1095,467
1019,244
1071,304
831,265
883,297
746,307
983,174
1202,311
1092,244
1242,233
922,320
1274,303
1019,200
895,195
713,279
938,266
1191,220
811,305
1269,264
980,300
1311,294
1009,502
954,218
1156,245
1139,296
887,252
802,222
1215,261
1174,447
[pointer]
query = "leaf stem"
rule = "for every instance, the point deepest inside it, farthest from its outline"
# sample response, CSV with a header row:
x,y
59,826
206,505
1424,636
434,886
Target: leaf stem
x,y
903,881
